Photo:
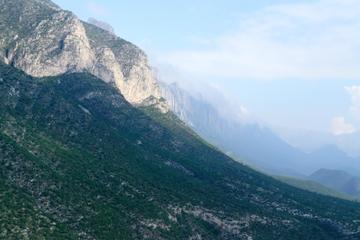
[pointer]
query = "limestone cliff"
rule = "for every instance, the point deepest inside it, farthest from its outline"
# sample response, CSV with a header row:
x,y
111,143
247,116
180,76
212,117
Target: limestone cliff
x,y
44,40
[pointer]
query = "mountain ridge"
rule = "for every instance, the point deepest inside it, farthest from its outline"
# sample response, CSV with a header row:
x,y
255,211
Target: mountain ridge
x,y
339,180
53,41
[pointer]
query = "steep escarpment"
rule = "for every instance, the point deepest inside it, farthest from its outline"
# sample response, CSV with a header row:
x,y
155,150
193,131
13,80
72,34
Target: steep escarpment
x,y
43,40
128,65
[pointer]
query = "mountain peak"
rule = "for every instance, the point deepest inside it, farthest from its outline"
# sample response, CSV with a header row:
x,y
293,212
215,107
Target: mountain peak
x,y
43,40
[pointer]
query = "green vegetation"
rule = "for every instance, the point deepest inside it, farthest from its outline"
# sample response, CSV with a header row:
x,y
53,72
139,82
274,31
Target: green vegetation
x,y
77,160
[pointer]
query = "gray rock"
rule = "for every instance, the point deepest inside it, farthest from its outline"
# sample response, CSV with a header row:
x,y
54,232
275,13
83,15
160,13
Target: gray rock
x,y
57,42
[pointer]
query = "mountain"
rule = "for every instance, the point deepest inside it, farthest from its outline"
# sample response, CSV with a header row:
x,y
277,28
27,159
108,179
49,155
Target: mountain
x,y
43,40
78,161
314,186
339,180
310,141
349,143
83,156
248,142
330,156
197,113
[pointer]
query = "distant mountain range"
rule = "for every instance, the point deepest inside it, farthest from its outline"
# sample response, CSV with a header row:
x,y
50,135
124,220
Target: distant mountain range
x,y
339,180
315,186
310,141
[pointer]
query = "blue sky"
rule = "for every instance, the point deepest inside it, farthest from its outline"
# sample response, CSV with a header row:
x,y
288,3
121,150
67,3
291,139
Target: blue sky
x,y
166,24
291,64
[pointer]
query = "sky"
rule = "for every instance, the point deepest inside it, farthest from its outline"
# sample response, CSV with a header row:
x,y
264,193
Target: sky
x,y
290,64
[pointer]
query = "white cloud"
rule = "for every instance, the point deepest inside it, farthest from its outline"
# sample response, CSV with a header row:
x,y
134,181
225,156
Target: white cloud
x,y
354,91
340,127
317,40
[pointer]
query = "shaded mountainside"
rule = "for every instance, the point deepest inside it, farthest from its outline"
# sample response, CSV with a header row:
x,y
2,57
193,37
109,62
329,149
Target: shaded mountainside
x,y
78,161
338,180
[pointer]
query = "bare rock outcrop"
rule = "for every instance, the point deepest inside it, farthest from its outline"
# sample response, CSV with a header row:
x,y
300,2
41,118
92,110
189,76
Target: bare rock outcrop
x,y
58,42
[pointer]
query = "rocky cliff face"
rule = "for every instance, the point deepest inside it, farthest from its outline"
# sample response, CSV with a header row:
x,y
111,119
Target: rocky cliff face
x,y
196,112
43,40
